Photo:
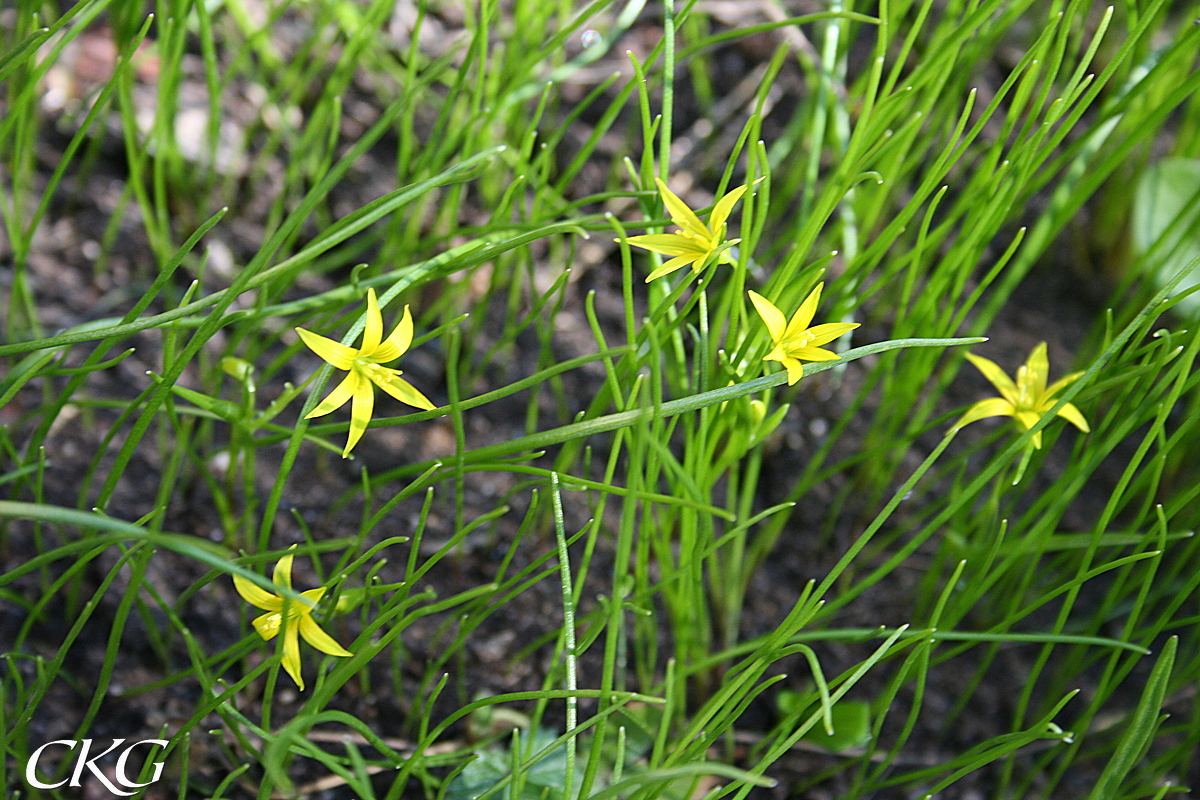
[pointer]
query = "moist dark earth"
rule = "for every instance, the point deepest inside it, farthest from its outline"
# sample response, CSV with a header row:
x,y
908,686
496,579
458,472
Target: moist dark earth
x,y
498,656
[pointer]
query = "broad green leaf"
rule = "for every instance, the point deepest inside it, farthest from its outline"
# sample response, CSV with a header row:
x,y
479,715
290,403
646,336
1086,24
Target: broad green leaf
x,y
1166,223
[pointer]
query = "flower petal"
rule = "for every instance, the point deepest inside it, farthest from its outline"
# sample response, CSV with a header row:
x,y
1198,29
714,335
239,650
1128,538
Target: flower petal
x,y
1073,415
683,216
771,315
778,354
795,370
814,354
669,244
1060,384
291,652
283,570
312,597
1026,419
672,265
373,332
721,210
256,596
338,397
804,314
397,343
827,332
993,373
1039,369
405,392
268,625
319,639
992,407
331,352
360,414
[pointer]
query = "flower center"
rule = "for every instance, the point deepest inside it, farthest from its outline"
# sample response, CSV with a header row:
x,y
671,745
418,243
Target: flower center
x,y
800,341
373,371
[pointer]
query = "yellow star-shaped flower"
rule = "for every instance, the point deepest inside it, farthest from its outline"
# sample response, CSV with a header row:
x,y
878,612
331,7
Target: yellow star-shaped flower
x,y
299,618
695,243
364,366
1028,399
795,340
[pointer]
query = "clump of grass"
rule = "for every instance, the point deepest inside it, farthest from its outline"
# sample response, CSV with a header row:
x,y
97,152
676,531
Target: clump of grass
x,y
613,523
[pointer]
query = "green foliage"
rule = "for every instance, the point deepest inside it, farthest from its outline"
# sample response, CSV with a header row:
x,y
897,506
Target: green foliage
x,y
755,574
1166,223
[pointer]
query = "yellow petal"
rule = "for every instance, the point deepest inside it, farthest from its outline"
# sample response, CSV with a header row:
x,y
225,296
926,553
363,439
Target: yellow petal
x,y
813,354
672,265
1073,415
1036,441
669,244
405,392
330,351
319,639
256,596
720,212
398,343
312,597
993,373
283,571
771,315
291,653
683,216
804,314
373,332
1026,419
777,354
992,407
827,332
268,625
1061,383
360,414
795,370
338,397
1039,369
